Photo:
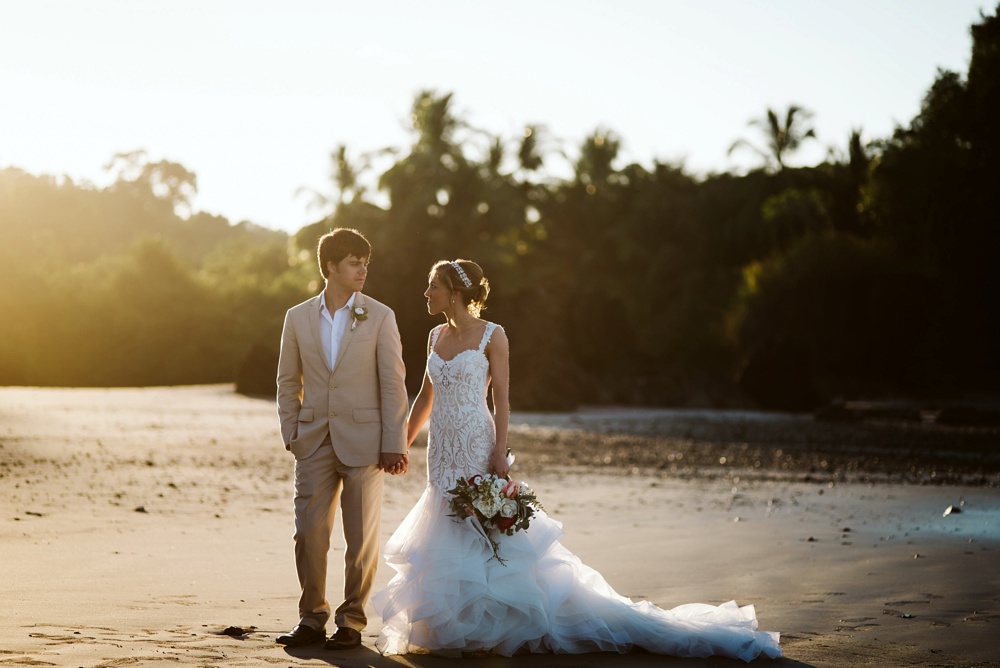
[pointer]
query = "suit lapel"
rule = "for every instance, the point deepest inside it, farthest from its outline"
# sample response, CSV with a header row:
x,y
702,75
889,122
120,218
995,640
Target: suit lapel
x,y
359,300
316,332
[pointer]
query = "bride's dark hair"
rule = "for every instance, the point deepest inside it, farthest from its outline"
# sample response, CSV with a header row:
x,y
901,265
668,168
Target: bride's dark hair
x,y
474,296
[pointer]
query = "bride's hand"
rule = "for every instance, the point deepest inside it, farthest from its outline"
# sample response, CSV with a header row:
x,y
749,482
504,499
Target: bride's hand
x,y
500,465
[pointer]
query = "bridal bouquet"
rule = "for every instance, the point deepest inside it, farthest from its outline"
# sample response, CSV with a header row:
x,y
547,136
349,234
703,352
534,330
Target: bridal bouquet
x,y
495,503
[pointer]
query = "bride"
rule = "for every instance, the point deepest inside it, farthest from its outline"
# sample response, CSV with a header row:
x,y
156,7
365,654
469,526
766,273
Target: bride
x,y
449,595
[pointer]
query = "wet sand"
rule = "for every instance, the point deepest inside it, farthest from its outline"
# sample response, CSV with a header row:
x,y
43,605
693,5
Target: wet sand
x,y
137,525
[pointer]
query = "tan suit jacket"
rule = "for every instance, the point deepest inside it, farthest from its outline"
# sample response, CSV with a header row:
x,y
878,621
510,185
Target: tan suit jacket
x,y
361,403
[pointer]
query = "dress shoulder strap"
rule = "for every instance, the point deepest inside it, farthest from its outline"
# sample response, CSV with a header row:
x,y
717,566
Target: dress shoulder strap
x,y
486,335
434,336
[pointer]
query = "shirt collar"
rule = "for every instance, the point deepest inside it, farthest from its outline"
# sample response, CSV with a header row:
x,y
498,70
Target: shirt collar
x,y
322,303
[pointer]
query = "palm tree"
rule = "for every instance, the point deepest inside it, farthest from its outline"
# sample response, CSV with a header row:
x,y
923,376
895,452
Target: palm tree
x,y
346,176
782,138
597,154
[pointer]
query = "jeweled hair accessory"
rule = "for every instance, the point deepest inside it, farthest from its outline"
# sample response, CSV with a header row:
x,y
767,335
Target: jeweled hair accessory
x,y
461,274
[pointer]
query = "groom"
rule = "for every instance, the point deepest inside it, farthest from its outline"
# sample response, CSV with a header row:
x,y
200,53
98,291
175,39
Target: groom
x,y
342,406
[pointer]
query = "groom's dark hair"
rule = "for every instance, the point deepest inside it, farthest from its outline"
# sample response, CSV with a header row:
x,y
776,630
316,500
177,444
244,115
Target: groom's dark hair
x,y
336,245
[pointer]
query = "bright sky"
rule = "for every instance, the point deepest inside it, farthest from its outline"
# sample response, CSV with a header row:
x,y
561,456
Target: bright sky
x,y
253,96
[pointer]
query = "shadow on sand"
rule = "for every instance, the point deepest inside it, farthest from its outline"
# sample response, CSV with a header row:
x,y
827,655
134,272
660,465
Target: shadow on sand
x,y
367,657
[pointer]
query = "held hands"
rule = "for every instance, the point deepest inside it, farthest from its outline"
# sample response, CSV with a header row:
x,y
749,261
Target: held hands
x,y
394,464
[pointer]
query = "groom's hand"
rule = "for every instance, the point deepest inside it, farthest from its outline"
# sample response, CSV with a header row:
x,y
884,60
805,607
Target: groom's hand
x,y
394,464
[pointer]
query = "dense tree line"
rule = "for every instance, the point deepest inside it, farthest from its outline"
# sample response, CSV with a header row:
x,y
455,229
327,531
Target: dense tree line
x,y
872,273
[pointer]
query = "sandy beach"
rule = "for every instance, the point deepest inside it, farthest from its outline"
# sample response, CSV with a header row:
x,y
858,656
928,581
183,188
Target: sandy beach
x,y
150,527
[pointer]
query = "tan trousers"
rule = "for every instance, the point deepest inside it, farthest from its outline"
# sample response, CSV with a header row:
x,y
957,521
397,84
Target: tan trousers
x,y
319,480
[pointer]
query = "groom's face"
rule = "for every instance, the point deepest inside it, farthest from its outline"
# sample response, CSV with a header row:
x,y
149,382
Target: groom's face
x,y
350,273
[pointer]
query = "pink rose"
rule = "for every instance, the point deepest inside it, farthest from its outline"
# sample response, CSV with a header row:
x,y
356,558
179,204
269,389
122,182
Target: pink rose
x,y
511,490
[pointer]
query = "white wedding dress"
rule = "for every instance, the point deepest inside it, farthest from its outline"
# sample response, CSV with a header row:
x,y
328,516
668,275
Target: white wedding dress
x,y
450,596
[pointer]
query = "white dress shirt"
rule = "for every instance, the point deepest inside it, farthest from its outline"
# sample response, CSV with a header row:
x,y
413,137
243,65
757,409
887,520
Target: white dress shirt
x,y
332,326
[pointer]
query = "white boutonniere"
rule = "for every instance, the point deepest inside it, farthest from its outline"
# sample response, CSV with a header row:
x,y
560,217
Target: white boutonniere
x,y
358,314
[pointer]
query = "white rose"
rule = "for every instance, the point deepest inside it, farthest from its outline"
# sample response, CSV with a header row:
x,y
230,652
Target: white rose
x,y
359,310
487,504
508,508
499,484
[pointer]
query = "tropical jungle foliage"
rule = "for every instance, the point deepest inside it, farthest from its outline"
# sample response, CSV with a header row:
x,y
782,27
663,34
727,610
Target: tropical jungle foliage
x,y
873,273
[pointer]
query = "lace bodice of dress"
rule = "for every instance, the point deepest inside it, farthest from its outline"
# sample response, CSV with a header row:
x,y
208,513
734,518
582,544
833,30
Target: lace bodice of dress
x,y
462,433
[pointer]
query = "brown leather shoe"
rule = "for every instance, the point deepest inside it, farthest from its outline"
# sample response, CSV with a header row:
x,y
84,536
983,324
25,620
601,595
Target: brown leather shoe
x,y
344,638
301,635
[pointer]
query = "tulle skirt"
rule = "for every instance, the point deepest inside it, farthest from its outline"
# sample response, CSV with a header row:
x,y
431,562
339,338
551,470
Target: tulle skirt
x,y
449,596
